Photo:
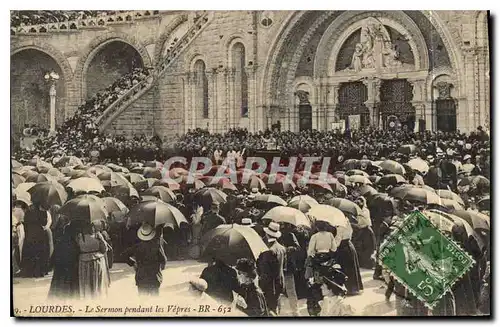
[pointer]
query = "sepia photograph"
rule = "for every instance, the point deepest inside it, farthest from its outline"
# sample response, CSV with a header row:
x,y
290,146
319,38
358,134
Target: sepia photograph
x,y
250,163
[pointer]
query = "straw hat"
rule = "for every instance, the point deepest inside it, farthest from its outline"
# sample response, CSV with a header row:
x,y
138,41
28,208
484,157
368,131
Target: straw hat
x,y
146,232
247,222
273,230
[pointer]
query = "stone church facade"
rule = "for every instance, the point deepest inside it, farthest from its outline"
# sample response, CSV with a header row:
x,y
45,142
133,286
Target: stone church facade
x,y
223,69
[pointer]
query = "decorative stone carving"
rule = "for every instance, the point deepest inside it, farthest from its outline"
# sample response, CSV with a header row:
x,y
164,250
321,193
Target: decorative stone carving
x,y
303,97
444,90
375,50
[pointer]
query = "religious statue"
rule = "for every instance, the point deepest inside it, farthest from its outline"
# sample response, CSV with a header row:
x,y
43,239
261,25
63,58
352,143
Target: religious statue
x,y
375,49
303,96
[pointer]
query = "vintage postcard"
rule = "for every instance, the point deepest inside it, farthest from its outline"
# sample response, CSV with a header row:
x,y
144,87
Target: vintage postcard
x,y
250,163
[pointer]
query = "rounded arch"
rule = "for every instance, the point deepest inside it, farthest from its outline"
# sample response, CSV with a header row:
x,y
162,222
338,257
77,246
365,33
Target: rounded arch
x,y
229,45
193,59
95,46
50,50
272,57
348,22
171,27
57,56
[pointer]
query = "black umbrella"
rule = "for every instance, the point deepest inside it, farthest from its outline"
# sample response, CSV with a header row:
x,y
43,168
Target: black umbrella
x,y
229,243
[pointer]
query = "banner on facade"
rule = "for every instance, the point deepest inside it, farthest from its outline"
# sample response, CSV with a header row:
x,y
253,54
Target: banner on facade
x,y
354,122
339,126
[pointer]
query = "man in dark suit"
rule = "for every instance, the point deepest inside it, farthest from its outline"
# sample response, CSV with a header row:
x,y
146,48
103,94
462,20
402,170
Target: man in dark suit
x,y
270,267
250,297
211,219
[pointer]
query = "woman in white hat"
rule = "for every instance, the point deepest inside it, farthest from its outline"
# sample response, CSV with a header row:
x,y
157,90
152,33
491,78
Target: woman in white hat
x,y
149,259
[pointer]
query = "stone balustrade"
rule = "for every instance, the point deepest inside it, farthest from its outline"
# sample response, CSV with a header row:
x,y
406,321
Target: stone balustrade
x,y
94,22
141,88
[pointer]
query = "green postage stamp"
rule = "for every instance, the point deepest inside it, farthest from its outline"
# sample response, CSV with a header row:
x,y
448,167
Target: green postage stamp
x,y
420,257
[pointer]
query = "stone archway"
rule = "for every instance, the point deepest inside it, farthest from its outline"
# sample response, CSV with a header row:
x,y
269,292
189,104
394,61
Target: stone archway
x,y
160,43
273,89
93,48
54,60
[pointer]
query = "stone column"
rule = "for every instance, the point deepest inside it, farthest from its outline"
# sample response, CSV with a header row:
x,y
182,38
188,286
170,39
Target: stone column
x,y
212,101
220,98
251,97
332,101
52,94
419,100
231,104
373,89
191,99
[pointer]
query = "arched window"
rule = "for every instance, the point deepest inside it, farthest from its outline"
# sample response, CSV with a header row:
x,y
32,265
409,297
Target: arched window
x,y
201,88
240,79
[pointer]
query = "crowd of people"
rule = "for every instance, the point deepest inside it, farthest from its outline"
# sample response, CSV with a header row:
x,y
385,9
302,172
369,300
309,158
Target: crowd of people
x,y
316,261
79,135
36,17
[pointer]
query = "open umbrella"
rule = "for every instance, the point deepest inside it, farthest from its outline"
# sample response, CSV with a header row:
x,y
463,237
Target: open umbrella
x,y
229,243
86,185
319,186
393,166
391,179
269,199
353,172
156,213
69,161
48,194
451,204
329,214
415,194
15,164
209,195
223,183
115,207
24,187
478,221
134,177
144,184
440,221
289,215
162,193
75,174
85,207
419,165
484,204
255,182
154,164
150,172
110,179
41,178
196,185
345,206
447,194
177,172
117,169
22,196
459,220
303,203
94,170
367,190
17,179
357,179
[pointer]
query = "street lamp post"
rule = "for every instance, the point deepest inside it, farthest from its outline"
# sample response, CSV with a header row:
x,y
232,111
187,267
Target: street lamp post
x,y
52,78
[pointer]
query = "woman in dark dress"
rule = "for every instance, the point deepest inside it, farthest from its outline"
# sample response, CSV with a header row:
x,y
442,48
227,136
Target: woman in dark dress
x,y
35,259
347,258
363,236
65,283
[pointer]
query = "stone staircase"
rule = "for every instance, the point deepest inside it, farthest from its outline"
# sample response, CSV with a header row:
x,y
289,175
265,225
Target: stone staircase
x,y
136,92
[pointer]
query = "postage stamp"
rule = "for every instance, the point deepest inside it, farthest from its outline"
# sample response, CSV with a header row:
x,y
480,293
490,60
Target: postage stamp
x,y
423,259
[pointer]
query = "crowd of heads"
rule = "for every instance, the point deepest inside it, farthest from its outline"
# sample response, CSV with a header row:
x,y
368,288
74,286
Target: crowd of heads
x,y
79,135
36,17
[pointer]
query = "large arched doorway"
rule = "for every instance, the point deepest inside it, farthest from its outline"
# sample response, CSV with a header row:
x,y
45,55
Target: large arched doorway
x,y
111,61
30,100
